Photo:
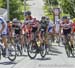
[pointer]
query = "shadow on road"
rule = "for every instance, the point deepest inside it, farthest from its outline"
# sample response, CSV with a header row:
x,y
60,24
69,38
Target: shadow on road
x,y
55,50
42,59
8,63
22,55
12,62
52,54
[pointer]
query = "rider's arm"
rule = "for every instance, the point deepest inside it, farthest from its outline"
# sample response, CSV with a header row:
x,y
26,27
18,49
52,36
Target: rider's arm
x,y
3,25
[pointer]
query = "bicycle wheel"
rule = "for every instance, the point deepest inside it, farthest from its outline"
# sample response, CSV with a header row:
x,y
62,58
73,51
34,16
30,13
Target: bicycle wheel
x,y
19,50
67,51
43,50
32,49
0,53
71,51
12,52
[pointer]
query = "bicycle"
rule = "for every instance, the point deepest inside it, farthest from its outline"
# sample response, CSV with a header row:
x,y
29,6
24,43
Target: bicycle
x,y
11,50
18,45
35,47
68,48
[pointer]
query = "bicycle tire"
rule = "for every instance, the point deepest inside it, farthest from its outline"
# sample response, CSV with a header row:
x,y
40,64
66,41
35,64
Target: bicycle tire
x,y
19,49
28,51
0,53
43,50
9,57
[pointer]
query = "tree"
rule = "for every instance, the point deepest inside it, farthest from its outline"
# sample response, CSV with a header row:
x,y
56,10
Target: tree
x,y
15,7
1,3
68,6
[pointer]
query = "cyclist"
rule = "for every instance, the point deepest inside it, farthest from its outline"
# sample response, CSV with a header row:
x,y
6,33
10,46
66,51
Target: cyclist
x,y
44,28
66,25
16,26
9,23
3,32
50,28
31,24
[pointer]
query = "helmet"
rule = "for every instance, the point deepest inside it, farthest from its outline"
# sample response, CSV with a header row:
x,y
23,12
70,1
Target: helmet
x,y
47,18
8,21
15,20
64,17
43,17
28,13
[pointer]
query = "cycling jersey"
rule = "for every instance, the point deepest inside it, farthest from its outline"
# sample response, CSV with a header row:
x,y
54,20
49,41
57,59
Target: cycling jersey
x,y
43,25
73,27
50,26
33,24
27,29
17,29
2,21
66,27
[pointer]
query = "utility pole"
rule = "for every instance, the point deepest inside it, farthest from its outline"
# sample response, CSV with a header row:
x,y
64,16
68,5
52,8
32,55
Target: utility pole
x,y
8,9
24,5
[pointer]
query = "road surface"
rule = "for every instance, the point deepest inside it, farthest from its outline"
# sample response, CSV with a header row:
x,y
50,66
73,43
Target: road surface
x,y
55,59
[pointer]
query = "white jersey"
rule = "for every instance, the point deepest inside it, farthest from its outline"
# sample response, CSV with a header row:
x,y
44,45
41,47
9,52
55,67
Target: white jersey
x,y
1,22
50,24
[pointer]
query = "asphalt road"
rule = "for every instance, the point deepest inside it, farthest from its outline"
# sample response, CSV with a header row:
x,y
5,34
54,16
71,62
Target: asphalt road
x,y
55,59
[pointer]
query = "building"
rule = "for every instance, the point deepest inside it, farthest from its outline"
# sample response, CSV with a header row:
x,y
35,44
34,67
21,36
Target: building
x,y
3,13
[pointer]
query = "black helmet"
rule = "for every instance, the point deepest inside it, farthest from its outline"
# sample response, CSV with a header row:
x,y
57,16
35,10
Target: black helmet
x,y
64,17
43,17
28,13
8,21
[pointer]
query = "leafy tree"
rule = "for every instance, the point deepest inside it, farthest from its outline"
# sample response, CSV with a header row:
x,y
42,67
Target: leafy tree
x,y
68,6
15,7
1,3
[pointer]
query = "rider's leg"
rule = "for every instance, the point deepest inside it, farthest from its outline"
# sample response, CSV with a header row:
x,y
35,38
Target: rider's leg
x,y
71,40
4,40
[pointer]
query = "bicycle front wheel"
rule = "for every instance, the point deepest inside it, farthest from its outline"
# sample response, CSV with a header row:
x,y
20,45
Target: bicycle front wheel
x,y
12,52
31,50
43,50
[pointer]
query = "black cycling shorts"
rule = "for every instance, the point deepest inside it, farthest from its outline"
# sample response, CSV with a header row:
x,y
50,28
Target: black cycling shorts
x,y
68,31
17,31
44,29
34,29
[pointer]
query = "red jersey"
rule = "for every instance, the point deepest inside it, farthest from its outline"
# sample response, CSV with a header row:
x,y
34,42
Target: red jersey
x,y
73,27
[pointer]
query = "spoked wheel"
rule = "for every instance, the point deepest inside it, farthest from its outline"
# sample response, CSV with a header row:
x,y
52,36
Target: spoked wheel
x,y
43,50
18,50
32,49
69,50
0,52
12,52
